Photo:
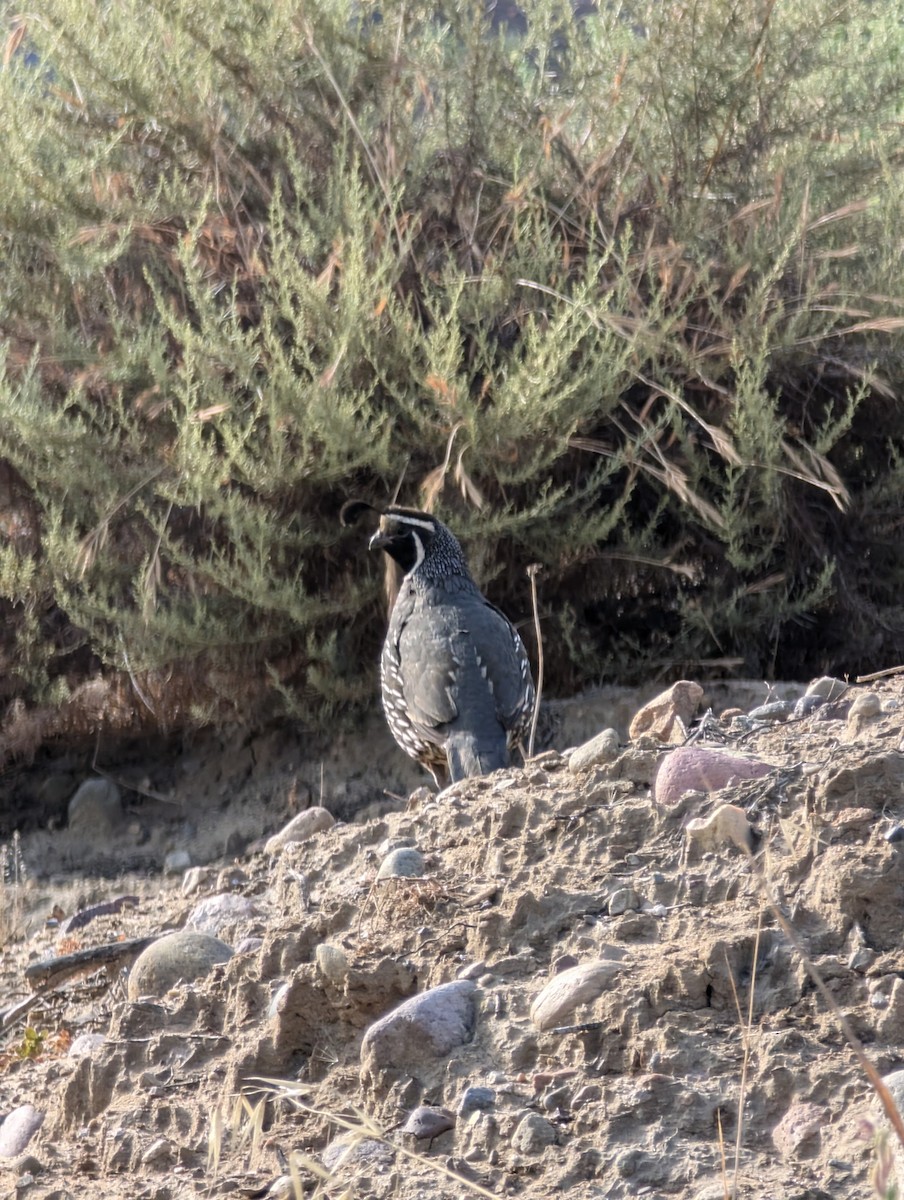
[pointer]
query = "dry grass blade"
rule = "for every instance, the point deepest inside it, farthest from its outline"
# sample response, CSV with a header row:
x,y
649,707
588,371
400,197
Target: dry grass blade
x,y
365,1127
746,1027
215,1141
533,571
722,443
840,214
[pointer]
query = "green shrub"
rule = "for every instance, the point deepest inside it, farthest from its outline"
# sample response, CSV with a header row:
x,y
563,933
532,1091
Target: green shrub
x,y
619,295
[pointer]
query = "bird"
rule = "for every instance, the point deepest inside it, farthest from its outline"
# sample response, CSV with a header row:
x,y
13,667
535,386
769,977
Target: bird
x,y
455,677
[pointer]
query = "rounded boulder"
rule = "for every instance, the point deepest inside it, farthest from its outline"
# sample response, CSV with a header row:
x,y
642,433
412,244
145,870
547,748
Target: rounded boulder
x,y
175,958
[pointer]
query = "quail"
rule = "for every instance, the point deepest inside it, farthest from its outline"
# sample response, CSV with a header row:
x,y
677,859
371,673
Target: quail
x,y
456,680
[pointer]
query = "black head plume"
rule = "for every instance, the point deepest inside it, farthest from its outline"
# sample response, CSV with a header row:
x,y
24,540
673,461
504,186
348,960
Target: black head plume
x,y
352,509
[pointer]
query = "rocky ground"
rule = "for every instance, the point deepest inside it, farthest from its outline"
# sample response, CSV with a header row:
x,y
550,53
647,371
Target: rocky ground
x,y
559,979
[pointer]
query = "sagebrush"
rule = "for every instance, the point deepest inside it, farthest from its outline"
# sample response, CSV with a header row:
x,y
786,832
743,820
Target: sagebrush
x,y
615,291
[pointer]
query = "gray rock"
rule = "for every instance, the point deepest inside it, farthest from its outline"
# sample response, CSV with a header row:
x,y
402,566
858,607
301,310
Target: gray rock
x,y
599,750
569,989
622,900
18,1129
588,1094
422,1029
176,862
402,863
194,879
476,1099
428,1123
27,1164
96,807
276,1000
177,957
85,1044
473,970
332,962
215,913
301,828
779,710
533,1134
807,704
248,945
394,843
867,704
827,688
350,1147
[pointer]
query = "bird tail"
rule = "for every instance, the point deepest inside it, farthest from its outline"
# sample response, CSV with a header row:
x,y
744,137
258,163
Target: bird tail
x,y
468,755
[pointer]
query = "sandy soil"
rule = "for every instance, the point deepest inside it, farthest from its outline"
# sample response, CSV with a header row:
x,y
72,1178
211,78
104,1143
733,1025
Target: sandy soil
x,y
709,1042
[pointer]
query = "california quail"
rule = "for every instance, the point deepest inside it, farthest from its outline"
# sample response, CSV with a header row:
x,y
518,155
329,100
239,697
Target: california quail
x,y
457,687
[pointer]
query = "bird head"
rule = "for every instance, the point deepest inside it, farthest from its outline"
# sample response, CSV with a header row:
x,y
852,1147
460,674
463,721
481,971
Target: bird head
x,y
416,541
408,536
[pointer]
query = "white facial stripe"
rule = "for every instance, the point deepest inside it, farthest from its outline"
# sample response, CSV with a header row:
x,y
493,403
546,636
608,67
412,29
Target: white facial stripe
x,y
420,550
413,521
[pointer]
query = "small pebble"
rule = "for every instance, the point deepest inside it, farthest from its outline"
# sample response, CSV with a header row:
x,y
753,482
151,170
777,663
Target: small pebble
x,y
216,913
476,1099
800,1125
564,962
598,751
332,962
866,705
778,710
623,900
403,863
17,1130
667,717
533,1134
425,1122
277,998
85,1044
827,688
862,958
194,879
588,1094
807,704
570,989
556,1099
727,823
301,828
159,1151
176,862
349,1147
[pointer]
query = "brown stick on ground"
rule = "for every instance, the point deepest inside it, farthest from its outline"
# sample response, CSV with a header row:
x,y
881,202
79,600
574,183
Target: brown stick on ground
x,y
51,972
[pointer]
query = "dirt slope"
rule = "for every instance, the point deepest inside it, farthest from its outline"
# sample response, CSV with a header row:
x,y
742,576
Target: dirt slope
x,y
636,1092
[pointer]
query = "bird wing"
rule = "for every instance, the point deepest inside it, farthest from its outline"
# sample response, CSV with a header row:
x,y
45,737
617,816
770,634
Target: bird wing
x,y
460,659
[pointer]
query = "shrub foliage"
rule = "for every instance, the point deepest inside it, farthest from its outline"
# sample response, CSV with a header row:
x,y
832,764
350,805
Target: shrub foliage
x,y
615,290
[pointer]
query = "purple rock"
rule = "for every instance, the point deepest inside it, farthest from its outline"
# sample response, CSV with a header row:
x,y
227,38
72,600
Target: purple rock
x,y
699,769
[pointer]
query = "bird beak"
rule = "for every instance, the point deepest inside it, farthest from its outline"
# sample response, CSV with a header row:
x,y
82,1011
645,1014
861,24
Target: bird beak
x,y
379,541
